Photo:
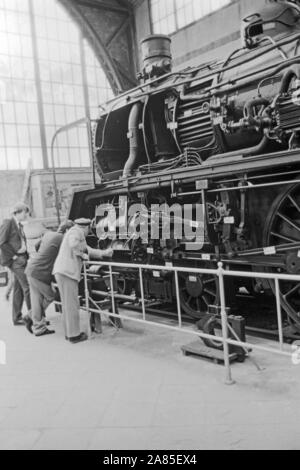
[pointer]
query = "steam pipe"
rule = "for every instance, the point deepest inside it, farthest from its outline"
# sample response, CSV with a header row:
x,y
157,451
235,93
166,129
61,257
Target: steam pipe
x,y
133,131
293,5
293,71
248,109
256,149
253,79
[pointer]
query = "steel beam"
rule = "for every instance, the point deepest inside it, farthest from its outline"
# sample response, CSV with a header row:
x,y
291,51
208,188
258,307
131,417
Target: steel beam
x,y
104,6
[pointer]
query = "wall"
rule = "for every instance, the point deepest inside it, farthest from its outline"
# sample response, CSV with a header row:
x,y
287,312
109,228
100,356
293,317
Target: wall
x,y
43,194
212,37
40,190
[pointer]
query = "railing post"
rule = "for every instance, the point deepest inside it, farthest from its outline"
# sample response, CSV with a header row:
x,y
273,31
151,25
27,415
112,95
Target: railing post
x,y
142,293
279,316
228,377
112,290
178,299
87,303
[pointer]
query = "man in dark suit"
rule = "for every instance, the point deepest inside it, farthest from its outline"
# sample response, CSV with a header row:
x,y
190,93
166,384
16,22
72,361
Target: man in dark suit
x,y
13,253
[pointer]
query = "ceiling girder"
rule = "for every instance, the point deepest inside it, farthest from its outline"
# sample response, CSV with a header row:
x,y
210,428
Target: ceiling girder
x,y
104,6
109,37
117,32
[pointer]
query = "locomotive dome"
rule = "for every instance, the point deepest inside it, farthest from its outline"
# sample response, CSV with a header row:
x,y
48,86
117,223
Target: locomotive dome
x,y
277,18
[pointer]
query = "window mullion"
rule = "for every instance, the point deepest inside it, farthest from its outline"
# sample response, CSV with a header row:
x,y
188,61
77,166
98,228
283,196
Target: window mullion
x,y
175,14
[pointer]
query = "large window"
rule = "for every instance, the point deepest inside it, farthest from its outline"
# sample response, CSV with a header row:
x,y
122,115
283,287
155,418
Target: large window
x,y
43,65
170,15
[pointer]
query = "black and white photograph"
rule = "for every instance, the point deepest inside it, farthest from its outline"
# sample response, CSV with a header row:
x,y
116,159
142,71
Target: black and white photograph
x,y
149,228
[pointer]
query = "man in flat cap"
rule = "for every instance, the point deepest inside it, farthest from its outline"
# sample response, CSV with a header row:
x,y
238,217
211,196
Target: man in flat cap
x,y
13,253
67,271
39,274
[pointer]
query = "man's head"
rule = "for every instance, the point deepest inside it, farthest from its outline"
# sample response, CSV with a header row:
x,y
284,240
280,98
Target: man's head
x,y
21,211
65,226
84,224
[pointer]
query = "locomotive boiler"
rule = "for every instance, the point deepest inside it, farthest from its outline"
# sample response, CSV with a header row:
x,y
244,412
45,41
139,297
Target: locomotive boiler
x,y
224,136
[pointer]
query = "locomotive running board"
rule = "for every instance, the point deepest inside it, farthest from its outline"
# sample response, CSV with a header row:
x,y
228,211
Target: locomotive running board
x,y
211,169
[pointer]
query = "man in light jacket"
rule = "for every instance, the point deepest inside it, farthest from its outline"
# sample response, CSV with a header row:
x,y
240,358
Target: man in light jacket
x,y
67,271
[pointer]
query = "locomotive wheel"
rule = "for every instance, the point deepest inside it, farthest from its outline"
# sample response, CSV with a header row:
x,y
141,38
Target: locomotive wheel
x,y
197,293
283,226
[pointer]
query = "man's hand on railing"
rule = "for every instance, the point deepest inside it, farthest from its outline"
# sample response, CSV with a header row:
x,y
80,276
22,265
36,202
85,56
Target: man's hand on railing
x,y
98,254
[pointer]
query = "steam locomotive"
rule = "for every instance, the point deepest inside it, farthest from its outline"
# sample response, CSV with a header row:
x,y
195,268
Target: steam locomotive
x,y
225,135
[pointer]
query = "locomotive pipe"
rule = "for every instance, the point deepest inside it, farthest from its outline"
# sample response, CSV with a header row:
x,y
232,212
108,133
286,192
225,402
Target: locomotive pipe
x,y
293,71
228,86
282,42
294,6
248,151
249,107
133,130
273,73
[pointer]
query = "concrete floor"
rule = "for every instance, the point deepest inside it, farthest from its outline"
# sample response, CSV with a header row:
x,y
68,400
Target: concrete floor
x,y
133,389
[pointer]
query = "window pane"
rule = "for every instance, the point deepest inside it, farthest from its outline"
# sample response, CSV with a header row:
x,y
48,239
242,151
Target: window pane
x,y
13,161
32,113
23,136
2,140
37,157
10,134
35,139
165,18
21,112
58,55
75,156
3,160
64,160
9,113
85,157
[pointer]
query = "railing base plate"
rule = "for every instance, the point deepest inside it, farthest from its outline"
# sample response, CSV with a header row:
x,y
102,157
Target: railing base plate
x,y
197,348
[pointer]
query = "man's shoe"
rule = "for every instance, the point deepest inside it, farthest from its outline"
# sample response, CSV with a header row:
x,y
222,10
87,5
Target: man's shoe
x,y
116,322
45,332
47,322
28,323
19,322
77,339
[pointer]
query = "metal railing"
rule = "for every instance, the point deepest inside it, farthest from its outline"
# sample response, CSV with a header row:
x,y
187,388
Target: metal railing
x,y
221,273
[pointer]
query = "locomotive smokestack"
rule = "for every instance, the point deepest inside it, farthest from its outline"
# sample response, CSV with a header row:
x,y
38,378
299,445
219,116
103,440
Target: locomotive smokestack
x,y
156,56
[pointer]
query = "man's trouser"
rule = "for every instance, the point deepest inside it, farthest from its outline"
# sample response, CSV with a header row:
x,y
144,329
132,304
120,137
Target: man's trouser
x,y
68,289
21,288
10,284
41,297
